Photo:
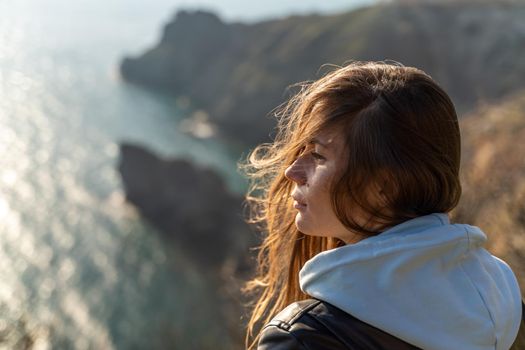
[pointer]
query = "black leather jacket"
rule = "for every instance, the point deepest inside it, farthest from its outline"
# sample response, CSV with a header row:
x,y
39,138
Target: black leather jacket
x,y
316,325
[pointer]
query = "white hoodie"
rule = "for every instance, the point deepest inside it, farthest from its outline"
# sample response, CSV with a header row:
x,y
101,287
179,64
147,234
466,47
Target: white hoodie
x,y
425,281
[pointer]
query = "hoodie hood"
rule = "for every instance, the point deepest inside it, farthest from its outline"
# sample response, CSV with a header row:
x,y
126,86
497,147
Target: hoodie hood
x,y
426,281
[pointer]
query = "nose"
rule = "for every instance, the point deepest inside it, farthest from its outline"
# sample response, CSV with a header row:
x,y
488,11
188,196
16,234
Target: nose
x,y
296,173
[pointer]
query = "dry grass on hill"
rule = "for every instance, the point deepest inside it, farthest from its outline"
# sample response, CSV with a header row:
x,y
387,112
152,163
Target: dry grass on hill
x,y
493,178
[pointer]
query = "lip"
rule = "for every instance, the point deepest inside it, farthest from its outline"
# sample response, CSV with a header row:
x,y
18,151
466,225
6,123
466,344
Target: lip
x,y
299,206
298,202
298,198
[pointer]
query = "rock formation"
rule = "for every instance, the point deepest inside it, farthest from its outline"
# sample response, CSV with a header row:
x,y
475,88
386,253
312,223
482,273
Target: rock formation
x,y
238,72
191,206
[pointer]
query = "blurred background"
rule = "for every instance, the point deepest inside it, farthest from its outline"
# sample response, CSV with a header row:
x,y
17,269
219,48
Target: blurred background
x,y
122,122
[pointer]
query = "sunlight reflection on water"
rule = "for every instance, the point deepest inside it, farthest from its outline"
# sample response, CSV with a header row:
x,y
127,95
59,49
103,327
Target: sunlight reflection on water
x,y
79,267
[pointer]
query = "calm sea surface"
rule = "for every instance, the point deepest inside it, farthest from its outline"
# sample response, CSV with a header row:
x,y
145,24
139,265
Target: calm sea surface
x,y
79,269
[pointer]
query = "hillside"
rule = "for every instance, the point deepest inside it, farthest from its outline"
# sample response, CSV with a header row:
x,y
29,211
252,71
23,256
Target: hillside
x,y
493,178
238,73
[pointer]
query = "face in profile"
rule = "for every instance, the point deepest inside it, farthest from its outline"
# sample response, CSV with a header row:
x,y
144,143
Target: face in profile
x,y
320,162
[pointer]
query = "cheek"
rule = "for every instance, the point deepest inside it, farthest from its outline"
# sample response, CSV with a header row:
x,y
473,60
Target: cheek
x,y
322,203
328,219
322,182
319,219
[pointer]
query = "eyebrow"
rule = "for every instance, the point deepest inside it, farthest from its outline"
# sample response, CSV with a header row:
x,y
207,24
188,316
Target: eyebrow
x,y
316,141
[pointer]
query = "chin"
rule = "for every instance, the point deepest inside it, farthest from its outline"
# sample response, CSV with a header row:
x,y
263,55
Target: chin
x,y
302,225
306,228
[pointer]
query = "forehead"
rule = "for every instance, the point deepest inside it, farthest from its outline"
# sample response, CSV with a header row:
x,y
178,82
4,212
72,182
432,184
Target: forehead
x,y
331,138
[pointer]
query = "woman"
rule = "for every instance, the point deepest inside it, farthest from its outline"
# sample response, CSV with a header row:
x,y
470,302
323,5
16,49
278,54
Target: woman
x,y
360,253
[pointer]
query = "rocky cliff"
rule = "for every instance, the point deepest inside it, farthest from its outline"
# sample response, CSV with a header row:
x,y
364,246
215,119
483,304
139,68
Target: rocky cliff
x,y
238,72
202,221
190,206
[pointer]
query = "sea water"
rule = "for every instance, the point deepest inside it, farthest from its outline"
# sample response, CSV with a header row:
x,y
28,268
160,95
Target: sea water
x,y
79,268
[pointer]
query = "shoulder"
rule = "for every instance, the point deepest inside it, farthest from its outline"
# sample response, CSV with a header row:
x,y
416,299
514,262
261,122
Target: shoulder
x,y
315,324
293,313
291,328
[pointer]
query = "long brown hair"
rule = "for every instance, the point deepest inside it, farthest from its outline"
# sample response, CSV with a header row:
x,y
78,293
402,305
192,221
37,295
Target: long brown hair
x,y
401,131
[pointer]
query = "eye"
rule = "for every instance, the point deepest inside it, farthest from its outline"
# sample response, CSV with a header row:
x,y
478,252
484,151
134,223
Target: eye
x,y
309,150
317,156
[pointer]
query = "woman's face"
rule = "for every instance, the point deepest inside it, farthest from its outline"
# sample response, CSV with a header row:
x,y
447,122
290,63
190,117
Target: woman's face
x,y
313,172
